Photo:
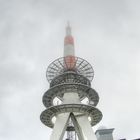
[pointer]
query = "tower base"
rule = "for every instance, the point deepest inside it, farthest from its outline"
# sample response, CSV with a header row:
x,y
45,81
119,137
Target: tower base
x,y
84,132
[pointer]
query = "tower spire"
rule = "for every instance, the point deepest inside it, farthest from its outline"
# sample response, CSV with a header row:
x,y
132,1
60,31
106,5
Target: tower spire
x,y
68,29
69,51
68,42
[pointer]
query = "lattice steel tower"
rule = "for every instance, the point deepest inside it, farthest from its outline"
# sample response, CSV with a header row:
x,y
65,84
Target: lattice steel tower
x,y
70,84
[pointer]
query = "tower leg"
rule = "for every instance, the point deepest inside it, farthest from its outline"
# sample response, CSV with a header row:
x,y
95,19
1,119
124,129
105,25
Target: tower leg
x,y
77,127
86,128
60,126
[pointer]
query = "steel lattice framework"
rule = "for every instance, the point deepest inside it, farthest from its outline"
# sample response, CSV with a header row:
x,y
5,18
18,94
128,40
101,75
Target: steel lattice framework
x,y
60,65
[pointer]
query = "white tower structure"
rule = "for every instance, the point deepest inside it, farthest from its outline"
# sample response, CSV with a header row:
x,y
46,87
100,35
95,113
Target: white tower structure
x,y
70,83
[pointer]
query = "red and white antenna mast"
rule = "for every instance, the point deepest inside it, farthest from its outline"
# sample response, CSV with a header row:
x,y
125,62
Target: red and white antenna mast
x,y
69,51
68,43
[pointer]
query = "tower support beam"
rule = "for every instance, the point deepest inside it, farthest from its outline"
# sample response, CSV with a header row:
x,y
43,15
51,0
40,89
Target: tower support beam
x,y
60,126
86,128
77,127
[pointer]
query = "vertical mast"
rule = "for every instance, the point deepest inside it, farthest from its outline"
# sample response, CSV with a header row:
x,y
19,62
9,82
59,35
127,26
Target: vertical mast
x,y
68,43
69,51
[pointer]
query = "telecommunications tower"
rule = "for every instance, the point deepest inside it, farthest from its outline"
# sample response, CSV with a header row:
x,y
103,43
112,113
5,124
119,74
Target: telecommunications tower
x,y
70,85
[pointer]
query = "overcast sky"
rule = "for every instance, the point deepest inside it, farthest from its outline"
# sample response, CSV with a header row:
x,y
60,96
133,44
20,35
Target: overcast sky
x,y
107,35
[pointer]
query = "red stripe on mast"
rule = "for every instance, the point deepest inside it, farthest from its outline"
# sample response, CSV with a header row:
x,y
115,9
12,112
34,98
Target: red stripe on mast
x,y
69,52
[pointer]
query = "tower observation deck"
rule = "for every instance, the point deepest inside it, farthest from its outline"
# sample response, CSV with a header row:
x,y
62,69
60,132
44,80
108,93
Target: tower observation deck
x,y
70,82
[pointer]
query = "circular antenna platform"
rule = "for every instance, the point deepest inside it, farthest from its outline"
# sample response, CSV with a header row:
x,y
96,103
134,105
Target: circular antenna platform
x,y
47,115
58,91
62,65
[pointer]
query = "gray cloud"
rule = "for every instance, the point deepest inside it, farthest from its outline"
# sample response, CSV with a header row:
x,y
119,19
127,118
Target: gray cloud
x,y
31,36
